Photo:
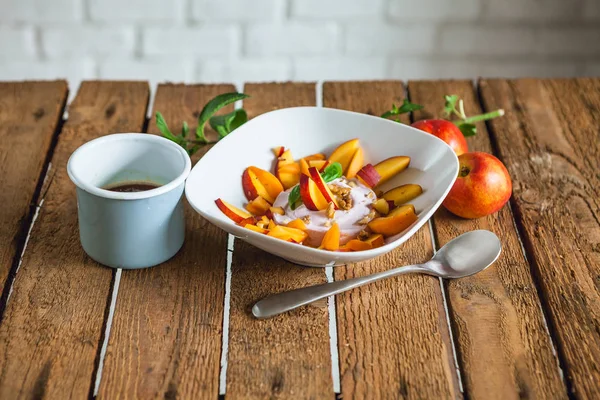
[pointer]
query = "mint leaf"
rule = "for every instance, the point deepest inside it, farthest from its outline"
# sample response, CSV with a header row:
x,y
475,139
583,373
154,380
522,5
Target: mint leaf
x,y
185,130
406,107
225,124
450,105
166,132
330,173
212,107
467,129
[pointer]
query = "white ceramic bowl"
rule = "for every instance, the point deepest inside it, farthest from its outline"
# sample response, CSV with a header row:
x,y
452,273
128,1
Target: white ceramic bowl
x,y
309,130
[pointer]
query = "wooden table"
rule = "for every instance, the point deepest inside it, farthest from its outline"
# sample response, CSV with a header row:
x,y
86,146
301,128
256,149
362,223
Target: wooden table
x,y
528,327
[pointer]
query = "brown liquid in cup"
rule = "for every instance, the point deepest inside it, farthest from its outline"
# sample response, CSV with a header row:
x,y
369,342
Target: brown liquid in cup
x,y
132,187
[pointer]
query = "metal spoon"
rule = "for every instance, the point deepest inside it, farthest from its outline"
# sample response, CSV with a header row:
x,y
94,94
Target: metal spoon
x,y
465,255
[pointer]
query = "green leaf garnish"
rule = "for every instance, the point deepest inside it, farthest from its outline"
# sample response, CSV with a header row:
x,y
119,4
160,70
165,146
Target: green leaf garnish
x,y
467,129
212,107
166,132
406,107
225,124
330,173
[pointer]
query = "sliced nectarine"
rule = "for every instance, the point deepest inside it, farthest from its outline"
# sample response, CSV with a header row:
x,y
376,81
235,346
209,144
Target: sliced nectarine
x,y
358,245
376,240
403,194
304,166
369,176
316,177
395,222
402,209
289,174
278,151
331,240
381,206
269,181
286,233
256,228
263,222
253,187
311,195
285,158
277,210
318,164
356,163
313,157
232,212
344,153
258,206
247,221
271,225
298,224
391,166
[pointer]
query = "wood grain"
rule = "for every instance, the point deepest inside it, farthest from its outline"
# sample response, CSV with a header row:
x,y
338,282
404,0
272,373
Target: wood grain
x,y
287,356
166,334
551,147
502,341
29,115
53,323
393,335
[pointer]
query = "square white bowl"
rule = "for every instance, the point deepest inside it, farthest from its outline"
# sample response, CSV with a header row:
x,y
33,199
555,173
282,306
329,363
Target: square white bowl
x,y
309,130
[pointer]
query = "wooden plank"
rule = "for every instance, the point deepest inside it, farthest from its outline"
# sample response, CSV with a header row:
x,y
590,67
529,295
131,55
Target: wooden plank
x,y
551,147
393,335
166,334
29,115
53,323
287,356
504,347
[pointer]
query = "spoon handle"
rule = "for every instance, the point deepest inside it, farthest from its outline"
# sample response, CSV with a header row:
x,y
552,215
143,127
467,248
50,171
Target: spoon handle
x,y
286,301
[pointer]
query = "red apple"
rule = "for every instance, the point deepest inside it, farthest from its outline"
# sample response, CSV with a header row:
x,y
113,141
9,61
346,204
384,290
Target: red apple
x,y
483,186
446,131
369,175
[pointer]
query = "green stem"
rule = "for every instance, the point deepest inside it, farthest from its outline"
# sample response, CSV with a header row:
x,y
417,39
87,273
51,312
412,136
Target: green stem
x,y
481,117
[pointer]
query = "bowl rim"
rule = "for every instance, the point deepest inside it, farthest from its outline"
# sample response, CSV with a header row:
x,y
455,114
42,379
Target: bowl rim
x,y
243,233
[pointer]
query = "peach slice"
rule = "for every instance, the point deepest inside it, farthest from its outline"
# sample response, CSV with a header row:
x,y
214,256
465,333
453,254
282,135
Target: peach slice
x,y
269,181
246,221
287,233
298,224
369,175
234,213
358,245
319,164
403,194
391,166
381,206
277,210
271,225
331,240
285,158
256,228
258,206
315,157
304,166
344,153
253,187
278,151
376,240
263,222
316,177
401,209
289,174
395,222
311,195
356,163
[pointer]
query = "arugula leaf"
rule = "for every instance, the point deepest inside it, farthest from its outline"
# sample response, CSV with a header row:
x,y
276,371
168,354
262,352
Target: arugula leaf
x,y
330,173
450,105
211,108
225,124
406,107
467,129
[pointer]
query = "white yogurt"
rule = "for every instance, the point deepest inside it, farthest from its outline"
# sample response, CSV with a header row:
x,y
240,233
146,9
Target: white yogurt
x,y
362,198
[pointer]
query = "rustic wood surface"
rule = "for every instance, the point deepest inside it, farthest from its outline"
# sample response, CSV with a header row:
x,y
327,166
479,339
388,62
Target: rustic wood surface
x,y
551,146
503,345
286,356
30,112
166,334
54,320
393,335
166,337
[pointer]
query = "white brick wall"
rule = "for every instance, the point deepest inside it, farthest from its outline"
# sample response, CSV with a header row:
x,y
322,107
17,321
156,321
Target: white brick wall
x,y
265,40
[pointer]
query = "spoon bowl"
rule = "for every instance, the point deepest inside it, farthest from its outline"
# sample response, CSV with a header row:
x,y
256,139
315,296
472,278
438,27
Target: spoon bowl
x,y
465,255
